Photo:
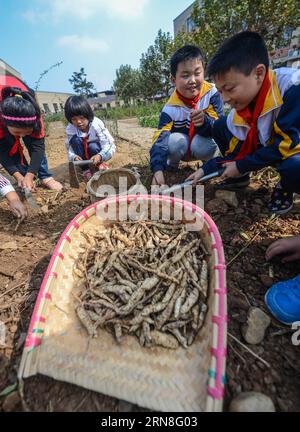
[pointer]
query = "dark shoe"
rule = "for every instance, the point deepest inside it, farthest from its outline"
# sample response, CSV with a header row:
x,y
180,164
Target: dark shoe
x,y
234,183
281,201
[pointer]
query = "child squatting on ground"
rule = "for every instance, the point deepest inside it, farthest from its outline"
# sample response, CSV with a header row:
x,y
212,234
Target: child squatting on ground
x,y
87,136
21,117
186,121
14,202
262,129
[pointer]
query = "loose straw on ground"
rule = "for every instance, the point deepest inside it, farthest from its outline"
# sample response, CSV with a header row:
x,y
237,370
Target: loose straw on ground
x,y
249,350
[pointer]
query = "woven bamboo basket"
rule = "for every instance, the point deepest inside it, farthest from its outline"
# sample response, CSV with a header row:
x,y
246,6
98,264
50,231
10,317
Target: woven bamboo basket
x,y
107,183
184,380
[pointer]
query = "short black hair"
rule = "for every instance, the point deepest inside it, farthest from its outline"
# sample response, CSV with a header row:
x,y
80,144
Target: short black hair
x,y
78,106
242,52
187,52
18,105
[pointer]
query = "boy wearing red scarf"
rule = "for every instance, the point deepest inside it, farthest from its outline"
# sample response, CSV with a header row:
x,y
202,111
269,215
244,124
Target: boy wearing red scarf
x,y
263,127
185,124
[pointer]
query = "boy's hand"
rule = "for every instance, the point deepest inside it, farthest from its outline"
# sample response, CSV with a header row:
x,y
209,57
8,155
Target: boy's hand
x,y
197,117
77,158
290,247
230,170
28,182
18,176
197,175
158,179
16,206
96,159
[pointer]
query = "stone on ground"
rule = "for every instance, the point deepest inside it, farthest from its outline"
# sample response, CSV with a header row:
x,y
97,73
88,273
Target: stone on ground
x,y
257,323
251,402
216,206
228,196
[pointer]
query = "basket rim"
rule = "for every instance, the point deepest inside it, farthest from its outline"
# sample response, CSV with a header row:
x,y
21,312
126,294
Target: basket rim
x,y
90,189
216,391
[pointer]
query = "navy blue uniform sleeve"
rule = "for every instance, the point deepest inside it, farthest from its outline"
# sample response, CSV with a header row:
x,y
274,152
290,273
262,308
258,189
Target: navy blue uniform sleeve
x,y
37,152
212,165
213,112
287,136
159,149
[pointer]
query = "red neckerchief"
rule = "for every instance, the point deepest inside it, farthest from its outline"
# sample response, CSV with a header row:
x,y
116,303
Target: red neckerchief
x,y
85,144
251,142
17,147
193,104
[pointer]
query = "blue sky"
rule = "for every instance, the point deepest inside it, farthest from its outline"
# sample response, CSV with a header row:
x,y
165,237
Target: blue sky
x,y
98,35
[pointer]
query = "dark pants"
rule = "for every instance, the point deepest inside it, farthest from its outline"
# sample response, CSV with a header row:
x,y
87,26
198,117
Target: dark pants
x,y
78,147
42,173
289,169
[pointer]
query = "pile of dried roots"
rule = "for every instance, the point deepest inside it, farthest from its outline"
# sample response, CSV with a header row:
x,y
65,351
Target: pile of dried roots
x,y
144,278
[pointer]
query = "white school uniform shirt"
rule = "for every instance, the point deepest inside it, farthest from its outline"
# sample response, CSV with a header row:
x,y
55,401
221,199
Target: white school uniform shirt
x,y
5,186
97,133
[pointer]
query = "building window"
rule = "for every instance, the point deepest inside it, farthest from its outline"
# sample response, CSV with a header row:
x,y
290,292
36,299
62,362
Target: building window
x,y
55,106
61,106
190,25
46,108
287,34
108,105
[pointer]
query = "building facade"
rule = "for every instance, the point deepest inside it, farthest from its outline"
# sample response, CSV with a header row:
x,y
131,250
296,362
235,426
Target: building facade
x,y
288,56
51,102
5,67
184,21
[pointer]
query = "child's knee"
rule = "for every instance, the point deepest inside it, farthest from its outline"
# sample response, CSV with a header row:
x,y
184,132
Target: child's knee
x,y
203,148
94,148
177,143
76,141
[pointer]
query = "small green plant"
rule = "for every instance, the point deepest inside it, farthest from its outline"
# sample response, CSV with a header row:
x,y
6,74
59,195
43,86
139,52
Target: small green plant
x,y
145,110
149,121
48,118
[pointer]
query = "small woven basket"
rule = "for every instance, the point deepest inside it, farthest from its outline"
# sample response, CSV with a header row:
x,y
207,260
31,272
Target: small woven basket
x,y
57,345
119,181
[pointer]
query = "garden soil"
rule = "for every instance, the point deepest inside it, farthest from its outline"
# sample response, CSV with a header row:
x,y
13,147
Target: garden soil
x,y
246,231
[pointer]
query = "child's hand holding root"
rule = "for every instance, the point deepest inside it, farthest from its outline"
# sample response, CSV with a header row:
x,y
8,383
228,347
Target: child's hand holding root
x,y
96,159
16,205
197,117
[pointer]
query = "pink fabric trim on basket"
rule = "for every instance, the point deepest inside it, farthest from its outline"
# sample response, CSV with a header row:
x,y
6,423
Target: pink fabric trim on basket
x,y
60,256
216,392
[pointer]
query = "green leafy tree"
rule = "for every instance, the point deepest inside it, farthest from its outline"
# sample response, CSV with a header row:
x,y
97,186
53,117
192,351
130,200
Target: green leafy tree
x,y
127,83
217,20
80,84
155,66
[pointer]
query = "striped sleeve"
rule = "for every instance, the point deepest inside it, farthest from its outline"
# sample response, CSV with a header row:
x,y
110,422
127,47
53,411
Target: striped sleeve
x,y
286,139
5,186
107,142
159,149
